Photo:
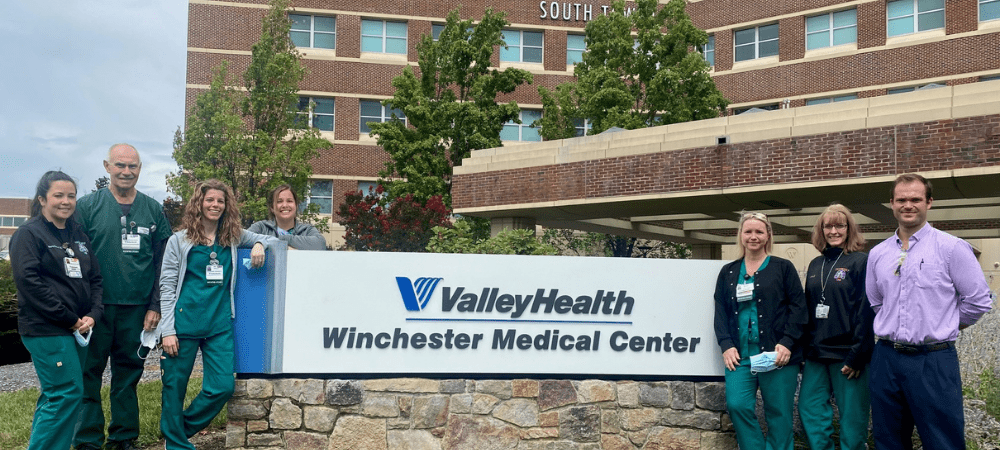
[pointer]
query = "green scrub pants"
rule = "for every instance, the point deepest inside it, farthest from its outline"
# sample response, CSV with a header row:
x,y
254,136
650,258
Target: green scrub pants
x,y
217,354
58,361
818,379
117,336
777,388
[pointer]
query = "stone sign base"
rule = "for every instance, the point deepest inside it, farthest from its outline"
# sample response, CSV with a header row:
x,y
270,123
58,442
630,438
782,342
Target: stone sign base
x,y
418,414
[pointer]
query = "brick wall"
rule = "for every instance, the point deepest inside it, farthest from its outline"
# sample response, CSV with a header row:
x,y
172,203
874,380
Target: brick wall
x,y
919,147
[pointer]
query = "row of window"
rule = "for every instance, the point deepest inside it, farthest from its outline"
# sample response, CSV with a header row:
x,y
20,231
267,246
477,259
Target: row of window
x,y
10,221
841,27
322,115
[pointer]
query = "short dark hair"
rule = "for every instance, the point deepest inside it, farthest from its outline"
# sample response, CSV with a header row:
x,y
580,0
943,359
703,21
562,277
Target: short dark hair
x,y
909,178
44,184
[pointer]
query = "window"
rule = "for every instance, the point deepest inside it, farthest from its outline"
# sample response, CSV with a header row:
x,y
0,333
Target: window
x,y
911,16
756,109
989,78
313,31
913,88
322,113
9,221
708,51
522,46
379,36
840,98
436,30
582,126
523,131
989,10
575,46
373,111
758,42
321,193
832,29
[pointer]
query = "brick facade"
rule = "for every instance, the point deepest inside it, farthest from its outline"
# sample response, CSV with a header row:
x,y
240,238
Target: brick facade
x,y
226,31
919,147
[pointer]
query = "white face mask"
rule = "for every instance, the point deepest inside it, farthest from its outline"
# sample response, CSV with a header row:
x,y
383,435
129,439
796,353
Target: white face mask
x,y
82,340
148,339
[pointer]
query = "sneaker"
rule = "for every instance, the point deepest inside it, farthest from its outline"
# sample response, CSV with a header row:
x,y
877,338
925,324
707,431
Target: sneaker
x,y
122,445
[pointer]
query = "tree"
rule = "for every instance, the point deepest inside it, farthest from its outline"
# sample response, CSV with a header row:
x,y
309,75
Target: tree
x,y
174,210
462,239
654,78
374,223
451,107
257,139
101,183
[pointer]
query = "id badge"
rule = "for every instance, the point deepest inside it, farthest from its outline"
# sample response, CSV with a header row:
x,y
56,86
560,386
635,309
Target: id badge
x,y
213,272
744,292
142,230
130,243
822,311
73,267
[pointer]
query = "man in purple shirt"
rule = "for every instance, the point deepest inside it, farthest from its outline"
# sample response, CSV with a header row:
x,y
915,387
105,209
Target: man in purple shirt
x,y
924,285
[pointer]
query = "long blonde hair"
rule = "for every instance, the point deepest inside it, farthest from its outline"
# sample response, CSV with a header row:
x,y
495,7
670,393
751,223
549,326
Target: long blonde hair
x,y
229,229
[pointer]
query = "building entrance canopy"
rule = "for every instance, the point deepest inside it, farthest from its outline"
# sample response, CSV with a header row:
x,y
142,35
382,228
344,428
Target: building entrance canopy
x,y
678,183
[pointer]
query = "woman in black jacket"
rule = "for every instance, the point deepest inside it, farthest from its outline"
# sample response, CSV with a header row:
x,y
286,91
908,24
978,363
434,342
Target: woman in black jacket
x,y
760,310
839,337
58,301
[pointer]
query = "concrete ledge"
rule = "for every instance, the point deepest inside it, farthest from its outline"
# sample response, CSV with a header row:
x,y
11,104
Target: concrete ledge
x,y
467,169
571,157
829,127
530,162
633,150
909,117
760,135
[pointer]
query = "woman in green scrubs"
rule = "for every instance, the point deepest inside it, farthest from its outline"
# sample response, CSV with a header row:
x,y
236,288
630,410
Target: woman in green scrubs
x,y
58,302
196,294
760,307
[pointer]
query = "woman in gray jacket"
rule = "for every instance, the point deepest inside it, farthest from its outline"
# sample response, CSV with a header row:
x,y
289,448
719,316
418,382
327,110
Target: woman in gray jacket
x,y
196,294
283,207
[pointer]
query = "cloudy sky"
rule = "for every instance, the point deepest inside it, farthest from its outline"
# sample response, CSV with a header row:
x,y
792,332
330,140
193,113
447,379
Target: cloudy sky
x,y
80,75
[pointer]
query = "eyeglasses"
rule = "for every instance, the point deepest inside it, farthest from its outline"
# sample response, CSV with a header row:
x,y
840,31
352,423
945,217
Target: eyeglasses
x,y
835,226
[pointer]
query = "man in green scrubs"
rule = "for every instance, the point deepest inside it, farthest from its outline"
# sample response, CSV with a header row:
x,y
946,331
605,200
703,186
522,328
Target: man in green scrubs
x,y
128,232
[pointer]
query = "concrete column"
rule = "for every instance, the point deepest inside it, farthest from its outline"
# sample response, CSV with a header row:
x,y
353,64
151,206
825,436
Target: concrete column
x,y
498,224
706,251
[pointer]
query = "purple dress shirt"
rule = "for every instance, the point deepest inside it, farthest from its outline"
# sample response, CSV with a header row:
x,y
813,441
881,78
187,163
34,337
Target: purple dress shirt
x,y
922,298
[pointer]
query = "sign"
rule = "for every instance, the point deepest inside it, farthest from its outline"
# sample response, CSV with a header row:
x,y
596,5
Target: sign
x,y
415,313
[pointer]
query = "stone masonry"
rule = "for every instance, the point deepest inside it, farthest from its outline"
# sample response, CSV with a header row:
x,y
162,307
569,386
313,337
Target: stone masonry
x,y
424,414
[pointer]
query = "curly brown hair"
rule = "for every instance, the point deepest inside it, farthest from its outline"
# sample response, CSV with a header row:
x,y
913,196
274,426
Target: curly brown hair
x,y
229,230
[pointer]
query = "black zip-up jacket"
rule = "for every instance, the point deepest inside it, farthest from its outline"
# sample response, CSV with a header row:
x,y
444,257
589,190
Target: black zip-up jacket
x,y
846,334
49,302
781,307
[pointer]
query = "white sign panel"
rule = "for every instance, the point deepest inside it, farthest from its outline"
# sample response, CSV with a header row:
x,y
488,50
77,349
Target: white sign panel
x,y
414,313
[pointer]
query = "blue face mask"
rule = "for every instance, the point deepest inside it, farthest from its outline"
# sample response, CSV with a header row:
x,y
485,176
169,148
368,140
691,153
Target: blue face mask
x,y
764,362
82,340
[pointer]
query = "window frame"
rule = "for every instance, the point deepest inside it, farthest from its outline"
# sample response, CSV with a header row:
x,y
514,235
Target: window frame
x,y
386,115
831,29
757,42
834,99
979,12
580,131
521,127
311,197
384,37
521,47
709,49
915,14
312,31
574,49
311,112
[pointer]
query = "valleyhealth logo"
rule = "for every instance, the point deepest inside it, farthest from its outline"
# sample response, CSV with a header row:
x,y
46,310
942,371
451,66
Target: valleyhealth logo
x,y
417,294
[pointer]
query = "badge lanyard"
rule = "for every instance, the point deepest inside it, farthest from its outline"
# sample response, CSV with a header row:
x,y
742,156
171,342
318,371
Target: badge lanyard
x,y
130,239
822,310
213,271
71,264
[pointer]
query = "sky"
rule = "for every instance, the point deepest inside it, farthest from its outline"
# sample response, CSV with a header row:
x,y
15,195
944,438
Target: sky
x,y
77,76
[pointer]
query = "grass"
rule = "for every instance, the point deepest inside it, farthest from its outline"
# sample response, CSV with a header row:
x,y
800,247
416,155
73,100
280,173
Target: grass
x,y
987,390
17,409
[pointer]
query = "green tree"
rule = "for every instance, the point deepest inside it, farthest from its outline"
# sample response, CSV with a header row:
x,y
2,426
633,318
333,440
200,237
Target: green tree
x,y
257,139
451,106
101,183
461,238
655,77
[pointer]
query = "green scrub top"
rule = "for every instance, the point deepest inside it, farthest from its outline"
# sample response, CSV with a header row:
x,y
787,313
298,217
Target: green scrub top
x,y
128,273
203,309
747,318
